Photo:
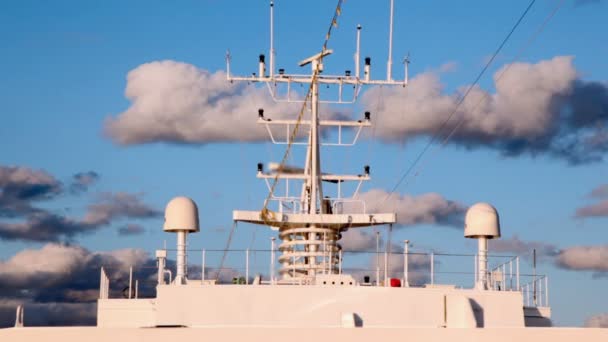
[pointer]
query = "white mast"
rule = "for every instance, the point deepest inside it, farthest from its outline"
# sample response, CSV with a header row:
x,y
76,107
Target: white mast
x,y
310,230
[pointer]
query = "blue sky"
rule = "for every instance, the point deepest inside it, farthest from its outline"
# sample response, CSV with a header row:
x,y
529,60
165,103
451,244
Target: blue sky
x,y
64,68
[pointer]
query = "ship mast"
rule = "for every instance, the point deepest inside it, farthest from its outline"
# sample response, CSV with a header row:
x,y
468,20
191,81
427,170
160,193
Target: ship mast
x,y
311,229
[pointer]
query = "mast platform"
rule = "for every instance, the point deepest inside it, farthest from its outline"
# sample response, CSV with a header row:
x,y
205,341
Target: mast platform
x,y
332,221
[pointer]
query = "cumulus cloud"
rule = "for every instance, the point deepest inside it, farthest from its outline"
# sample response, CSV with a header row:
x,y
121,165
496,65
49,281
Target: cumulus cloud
x,y
19,186
429,208
131,229
111,206
49,314
584,258
362,241
600,192
542,108
358,240
176,102
597,321
419,265
53,282
544,251
599,209
46,226
81,181
59,264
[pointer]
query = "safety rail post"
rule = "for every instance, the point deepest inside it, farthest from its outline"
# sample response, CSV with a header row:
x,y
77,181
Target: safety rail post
x,y
340,262
203,266
476,270
377,258
130,280
432,268
247,266
386,268
546,290
517,272
406,281
511,274
272,239
540,291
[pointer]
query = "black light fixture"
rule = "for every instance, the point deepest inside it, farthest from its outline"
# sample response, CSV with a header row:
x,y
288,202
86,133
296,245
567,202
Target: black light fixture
x,y
347,73
366,170
368,61
262,58
261,113
281,71
367,115
260,167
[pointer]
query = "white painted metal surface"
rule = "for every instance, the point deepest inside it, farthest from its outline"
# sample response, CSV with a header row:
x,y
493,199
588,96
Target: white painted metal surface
x,y
311,298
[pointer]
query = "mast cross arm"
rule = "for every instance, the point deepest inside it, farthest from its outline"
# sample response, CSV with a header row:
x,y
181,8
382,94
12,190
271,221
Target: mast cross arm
x,y
339,123
334,221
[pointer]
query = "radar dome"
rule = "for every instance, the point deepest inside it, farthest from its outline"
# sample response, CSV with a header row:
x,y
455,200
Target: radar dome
x,y
482,220
181,214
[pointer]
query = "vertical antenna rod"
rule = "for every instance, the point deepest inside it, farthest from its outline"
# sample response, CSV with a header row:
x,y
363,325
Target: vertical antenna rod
x,y
358,52
389,63
271,39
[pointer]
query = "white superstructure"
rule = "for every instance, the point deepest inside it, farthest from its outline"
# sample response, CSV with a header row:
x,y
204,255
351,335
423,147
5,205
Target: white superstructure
x,y
306,294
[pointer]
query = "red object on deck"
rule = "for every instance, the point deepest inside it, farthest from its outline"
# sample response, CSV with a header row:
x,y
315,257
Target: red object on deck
x,y
395,282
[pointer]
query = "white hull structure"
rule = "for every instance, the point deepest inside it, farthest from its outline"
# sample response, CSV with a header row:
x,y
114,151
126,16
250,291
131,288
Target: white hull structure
x,y
306,295
73,334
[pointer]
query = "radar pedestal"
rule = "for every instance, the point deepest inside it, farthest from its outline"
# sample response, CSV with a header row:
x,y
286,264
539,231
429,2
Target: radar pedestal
x,y
181,217
481,222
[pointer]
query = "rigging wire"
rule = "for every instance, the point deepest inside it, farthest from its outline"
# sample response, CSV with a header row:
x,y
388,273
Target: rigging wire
x,y
462,98
502,72
225,251
265,214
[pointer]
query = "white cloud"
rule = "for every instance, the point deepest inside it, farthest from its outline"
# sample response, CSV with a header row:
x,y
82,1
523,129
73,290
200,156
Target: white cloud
x,y
57,264
537,108
584,258
600,192
178,103
599,209
429,208
356,239
597,321
523,248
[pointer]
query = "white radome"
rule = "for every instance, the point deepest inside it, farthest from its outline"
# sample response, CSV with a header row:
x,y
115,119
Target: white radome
x,y
181,214
481,220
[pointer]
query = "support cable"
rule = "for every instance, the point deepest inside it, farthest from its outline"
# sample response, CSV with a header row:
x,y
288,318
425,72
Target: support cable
x,y
437,133
265,214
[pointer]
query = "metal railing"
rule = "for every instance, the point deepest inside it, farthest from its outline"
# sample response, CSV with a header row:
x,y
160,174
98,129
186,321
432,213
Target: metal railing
x,y
369,268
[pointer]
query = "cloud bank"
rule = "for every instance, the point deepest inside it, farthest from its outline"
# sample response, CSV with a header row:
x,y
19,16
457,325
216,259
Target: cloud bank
x,y
544,251
176,102
541,108
20,186
597,321
584,258
59,283
82,181
430,208
43,225
599,209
